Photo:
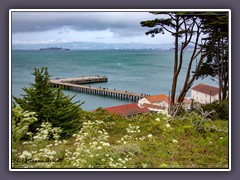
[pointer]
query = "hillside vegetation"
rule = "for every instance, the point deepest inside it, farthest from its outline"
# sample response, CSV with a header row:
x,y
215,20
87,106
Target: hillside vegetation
x,y
110,141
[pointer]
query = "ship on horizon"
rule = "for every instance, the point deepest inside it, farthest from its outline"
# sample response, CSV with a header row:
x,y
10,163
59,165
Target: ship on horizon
x,y
54,49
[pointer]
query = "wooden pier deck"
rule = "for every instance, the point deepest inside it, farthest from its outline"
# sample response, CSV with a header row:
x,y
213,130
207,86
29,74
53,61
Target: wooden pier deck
x,y
83,79
74,84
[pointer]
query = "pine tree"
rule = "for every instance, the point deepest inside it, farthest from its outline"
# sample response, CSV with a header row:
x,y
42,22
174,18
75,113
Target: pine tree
x,y
50,105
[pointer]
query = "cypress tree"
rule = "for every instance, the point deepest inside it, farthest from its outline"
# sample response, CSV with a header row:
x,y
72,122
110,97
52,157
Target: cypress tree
x,y
188,30
50,104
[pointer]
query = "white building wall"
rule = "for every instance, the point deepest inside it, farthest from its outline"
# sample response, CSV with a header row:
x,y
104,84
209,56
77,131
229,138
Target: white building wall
x,y
203,98
164,104
142,101
216,97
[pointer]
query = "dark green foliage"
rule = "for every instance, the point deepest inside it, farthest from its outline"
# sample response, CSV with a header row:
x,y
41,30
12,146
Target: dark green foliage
x,y
220,107
216,65
50,104
101,111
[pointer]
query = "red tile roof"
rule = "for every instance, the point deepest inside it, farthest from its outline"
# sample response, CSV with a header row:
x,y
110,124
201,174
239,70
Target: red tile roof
x,y
163,98
127,110
206,89
157,98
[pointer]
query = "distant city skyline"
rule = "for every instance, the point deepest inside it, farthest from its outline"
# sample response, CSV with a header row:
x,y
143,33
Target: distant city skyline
x,y
40,27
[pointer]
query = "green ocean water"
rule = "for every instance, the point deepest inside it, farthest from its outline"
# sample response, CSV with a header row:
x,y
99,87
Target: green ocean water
x,y
139,71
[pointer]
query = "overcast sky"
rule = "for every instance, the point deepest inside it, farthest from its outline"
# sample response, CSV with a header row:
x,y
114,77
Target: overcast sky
x,y
102,27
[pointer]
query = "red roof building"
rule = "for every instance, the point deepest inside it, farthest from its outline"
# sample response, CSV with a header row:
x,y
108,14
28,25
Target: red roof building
x,y
157,98
204,93
159,103
127,110
206,89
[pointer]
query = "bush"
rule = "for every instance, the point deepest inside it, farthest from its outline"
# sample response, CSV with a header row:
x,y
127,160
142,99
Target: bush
x,y
21,120
220,107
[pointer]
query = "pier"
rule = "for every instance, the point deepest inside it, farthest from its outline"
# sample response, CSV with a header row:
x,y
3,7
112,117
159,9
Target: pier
x,y
75,84
83,79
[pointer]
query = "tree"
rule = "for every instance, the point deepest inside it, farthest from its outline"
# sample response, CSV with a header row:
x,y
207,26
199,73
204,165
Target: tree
x,y
49,104
186,27
217,64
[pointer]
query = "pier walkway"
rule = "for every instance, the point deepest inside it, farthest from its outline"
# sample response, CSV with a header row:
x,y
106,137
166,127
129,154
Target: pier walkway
x,y
75,84
82,79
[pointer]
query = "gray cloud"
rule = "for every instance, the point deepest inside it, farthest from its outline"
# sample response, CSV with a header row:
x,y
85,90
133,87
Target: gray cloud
x,y
120,23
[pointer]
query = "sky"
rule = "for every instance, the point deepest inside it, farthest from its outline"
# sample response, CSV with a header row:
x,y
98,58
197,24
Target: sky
x,y
101,27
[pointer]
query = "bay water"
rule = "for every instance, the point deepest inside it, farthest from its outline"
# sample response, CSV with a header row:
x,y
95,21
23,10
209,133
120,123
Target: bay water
x,y
139,71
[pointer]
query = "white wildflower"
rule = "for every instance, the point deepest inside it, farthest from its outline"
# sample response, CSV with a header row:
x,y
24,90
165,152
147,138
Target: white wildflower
x,y
157,119
175,141
119,159
99,147
106,144
168,126
76,153
94,143
169,116
29,133
25,154
150,136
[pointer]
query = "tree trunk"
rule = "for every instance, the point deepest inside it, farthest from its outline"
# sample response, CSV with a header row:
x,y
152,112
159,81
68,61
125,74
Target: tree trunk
x,y
175,74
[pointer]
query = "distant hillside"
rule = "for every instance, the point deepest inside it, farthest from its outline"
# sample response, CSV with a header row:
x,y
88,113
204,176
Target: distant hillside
x,y
93,46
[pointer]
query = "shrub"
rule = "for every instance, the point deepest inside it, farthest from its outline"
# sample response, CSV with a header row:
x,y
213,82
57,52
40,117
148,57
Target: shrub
x,y
21,120
220,107
93,149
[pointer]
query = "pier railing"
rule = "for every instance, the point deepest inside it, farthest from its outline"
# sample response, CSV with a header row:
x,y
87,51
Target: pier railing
x,y
75,84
